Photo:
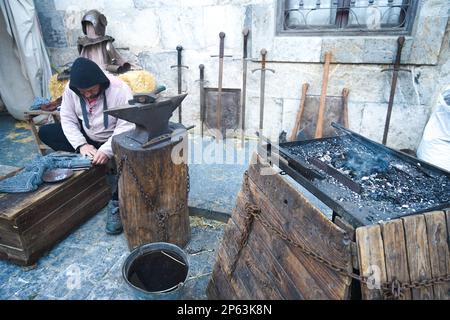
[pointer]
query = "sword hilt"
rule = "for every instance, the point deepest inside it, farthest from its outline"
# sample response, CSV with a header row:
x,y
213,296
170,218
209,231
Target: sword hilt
x,y
179,49
263,58
393,69
263,62
245,32
179,65
202,72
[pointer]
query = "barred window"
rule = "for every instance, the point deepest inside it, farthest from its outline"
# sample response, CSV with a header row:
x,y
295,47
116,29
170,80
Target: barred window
x,y
347,17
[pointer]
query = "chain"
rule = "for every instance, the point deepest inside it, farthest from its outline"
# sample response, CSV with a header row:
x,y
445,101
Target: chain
x,y
133,174
242,242
161,216
391,290
188,183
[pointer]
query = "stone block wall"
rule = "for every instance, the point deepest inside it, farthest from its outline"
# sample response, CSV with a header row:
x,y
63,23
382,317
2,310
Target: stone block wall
x,y
148,31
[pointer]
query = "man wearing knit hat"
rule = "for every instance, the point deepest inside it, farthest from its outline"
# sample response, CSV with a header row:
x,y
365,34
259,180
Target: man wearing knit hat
x,y
84,127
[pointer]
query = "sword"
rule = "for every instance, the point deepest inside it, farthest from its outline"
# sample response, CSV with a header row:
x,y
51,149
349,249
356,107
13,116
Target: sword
x,y
396,69
245,32
179,66
202,96
262,88
219,86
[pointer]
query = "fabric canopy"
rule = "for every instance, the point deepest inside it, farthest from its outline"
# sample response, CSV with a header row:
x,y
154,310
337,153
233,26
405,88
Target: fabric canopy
x,y
24,64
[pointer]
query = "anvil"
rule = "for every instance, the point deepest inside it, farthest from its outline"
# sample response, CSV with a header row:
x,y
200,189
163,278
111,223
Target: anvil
x,y
151,119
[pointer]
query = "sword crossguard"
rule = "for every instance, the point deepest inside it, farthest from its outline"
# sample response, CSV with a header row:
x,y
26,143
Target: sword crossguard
x,y
393,69
200,80
175,66
265,69
226,55
263,62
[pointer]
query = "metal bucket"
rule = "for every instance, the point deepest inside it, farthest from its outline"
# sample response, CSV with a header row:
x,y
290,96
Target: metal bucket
x,y
156,271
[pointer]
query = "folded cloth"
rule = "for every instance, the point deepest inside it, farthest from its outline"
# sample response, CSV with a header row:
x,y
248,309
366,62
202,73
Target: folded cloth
x,y
37,102
30,178
51,106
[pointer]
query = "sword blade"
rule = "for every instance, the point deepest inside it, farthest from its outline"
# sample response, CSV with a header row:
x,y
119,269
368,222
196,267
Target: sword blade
x,y
390,105
261,100
244,96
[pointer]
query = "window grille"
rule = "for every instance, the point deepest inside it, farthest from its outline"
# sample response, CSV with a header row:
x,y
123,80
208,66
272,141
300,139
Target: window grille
x,y
352,17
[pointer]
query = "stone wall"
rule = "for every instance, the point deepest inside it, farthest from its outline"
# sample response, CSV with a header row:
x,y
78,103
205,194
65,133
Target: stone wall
x,y
148,31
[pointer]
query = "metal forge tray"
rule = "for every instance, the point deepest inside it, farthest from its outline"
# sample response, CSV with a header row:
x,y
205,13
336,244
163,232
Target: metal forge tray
x,y
362,181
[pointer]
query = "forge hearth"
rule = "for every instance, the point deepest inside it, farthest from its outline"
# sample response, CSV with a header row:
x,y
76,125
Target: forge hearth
x,y
363,181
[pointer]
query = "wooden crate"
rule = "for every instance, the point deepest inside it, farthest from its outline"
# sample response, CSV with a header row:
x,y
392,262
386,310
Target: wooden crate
x,y
257,261
31,223
410,249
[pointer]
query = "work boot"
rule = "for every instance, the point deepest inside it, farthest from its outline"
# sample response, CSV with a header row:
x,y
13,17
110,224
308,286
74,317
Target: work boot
x,y
113,221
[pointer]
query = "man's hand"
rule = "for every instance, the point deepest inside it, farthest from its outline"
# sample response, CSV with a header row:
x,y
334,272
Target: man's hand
x,y
88,150
100,158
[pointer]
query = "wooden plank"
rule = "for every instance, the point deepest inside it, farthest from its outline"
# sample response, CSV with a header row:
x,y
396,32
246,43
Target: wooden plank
x,y
418,254
396,260
439,251
79,215
16,255
219,287
300,111
268,255
344,225
299,227
14,204
267,286
371,260
39,232
447,215
9,238
32,126
66,191
300,218
294,275
229,249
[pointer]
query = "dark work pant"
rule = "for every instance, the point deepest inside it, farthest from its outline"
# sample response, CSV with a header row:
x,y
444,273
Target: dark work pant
x,y
53,136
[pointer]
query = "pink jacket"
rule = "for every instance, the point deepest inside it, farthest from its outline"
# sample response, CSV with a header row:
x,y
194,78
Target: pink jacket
x,y
117,95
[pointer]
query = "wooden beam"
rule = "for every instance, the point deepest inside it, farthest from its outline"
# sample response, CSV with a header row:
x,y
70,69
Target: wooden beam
x,y
371,260
418,254
439,251
395,253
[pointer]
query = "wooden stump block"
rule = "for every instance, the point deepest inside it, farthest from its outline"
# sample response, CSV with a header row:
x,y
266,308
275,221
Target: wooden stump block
x,y
153,195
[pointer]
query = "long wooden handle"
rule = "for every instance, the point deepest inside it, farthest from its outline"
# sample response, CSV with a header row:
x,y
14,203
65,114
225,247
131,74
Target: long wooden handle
x,y
300,111
323,96
345,93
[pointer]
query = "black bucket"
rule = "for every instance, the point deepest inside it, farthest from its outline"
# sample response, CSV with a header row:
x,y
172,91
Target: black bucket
x,y
156,271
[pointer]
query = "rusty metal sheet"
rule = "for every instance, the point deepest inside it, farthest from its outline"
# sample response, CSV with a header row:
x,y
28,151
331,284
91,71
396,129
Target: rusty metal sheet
x,y
334,112
231,110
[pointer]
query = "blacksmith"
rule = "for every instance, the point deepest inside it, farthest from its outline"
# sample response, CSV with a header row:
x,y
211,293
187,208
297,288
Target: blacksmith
x,y
84,127
435,145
